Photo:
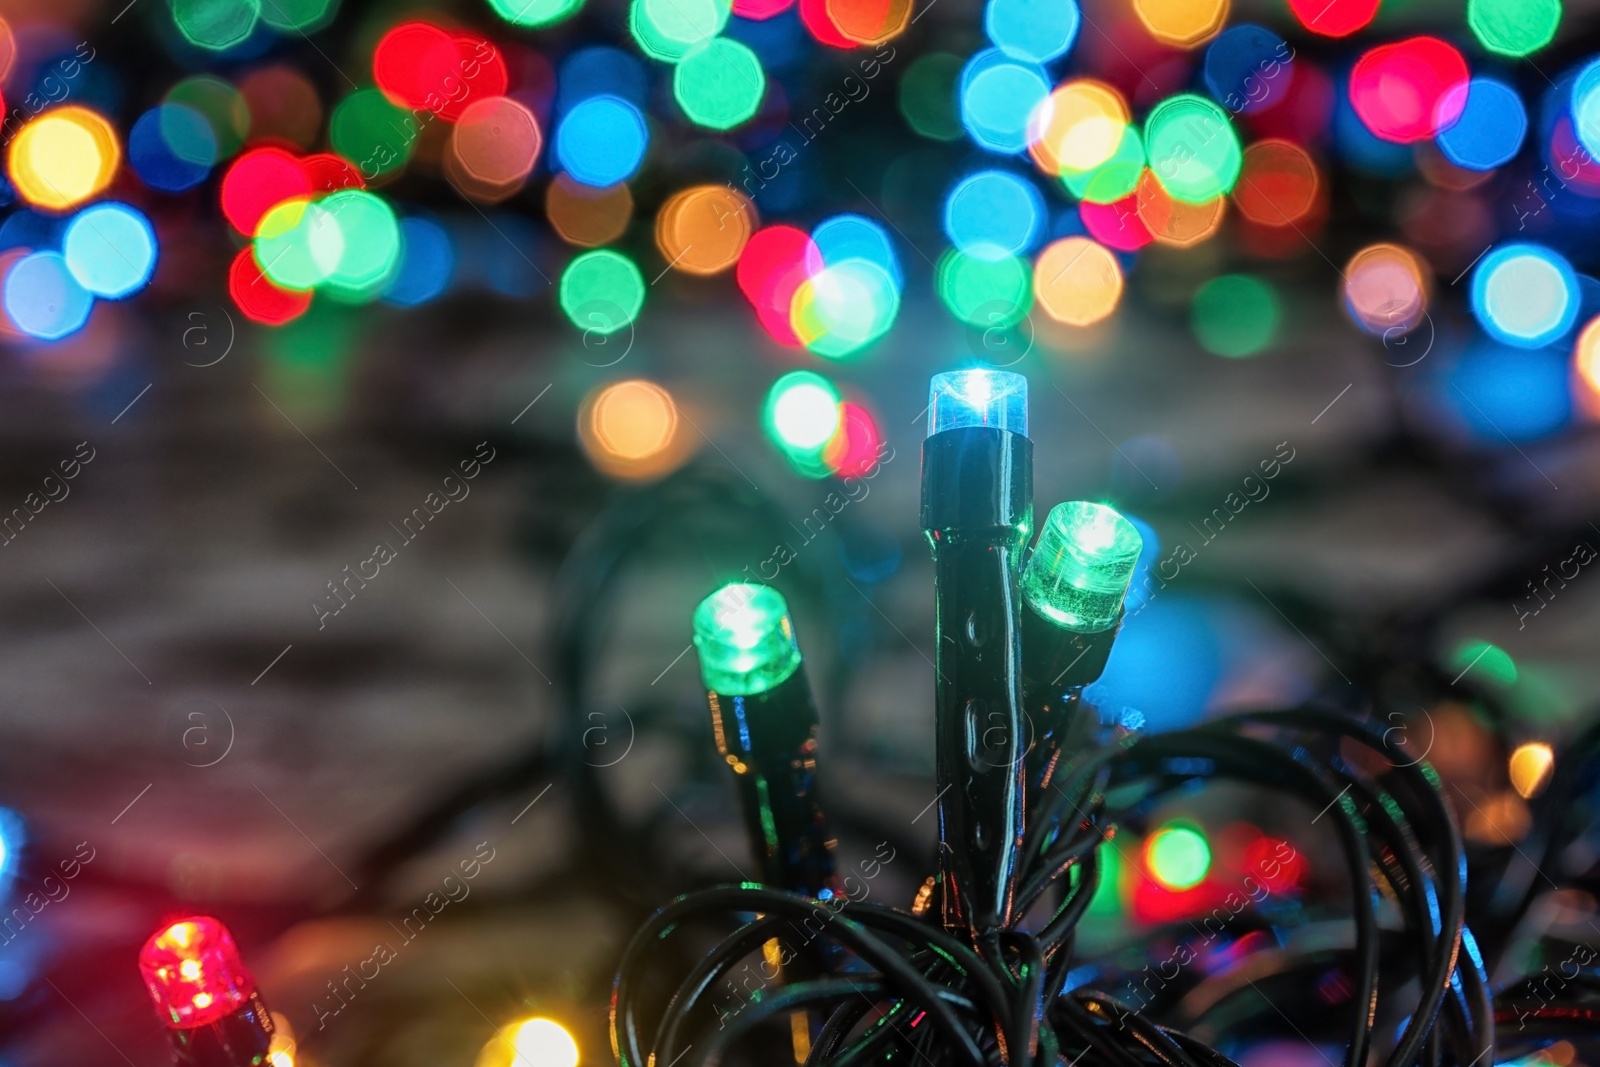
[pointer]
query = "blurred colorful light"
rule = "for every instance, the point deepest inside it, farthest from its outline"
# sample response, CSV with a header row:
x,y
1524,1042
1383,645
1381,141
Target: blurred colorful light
x,y
1077,281
1278,183
843,237
1078,127
1586,108
998,97
535,14
1409,90
1334,18
63,157
1491,127
991,292
1514,28
868,22
602,141
1235,315
668,29
368,130
993,214
855,447
1182,23
1035,31
1530,768
802,411
719,84
703,229
256,182
1178,856
775,262
110,249
493,148
1248,68
258,297
1386,289
601,291
1193,149
427,261
1525,295
586,216
172,148
298,244
927,96
1114,179
370,239
1176,222
844,307
630,430
43,299
215,25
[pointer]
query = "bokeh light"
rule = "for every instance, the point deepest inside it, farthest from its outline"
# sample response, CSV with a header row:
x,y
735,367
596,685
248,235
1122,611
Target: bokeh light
x,y
535,14
1514,28
802,412
63,158
256,182
775,262
110,249
668,29
928,96
1182,23
993,214
427,262
1117,224
1248,68
372,133
1278,183
601,291
1235,315
702,229
868,22
1176,222
1530,767
223,106
989,292
719,84
1078,127
1585,104
298,244
1035,31
415,65
630,430
586,216
298,16
1498,393
1334,18
1193,149
215,25
601,141
1409,90
998,96
844,307
1490,128
171,148
370,239
855,446
843,237
493,149
1178,856
1386,289
1077,281
283,104
1114,179
1524,295
258,297
537,1042
1586,366
43,299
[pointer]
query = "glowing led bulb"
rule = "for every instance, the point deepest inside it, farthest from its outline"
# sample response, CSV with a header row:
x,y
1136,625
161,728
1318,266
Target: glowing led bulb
x,y
530,1043
1080,570
194,973
1178,855
1530,768
994,398
745,639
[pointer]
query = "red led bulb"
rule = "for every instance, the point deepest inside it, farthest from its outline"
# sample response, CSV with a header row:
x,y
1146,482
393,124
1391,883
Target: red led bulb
x,y
204,995
194,973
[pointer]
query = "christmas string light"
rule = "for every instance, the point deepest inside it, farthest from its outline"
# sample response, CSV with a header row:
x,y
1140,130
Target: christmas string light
x,y
208,1001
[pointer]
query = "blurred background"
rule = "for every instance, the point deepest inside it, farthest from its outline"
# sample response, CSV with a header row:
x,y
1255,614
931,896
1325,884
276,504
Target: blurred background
x,y
384,383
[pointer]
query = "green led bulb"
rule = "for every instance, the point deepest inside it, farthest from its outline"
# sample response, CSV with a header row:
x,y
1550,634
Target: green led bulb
x,y
1080,570
746,641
